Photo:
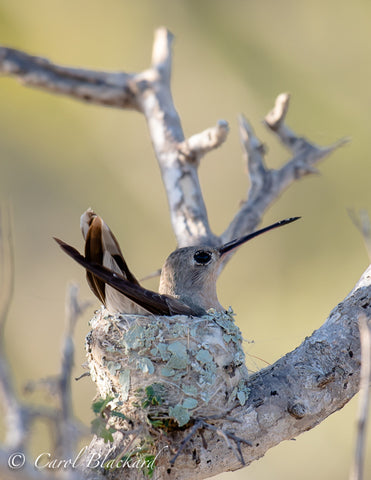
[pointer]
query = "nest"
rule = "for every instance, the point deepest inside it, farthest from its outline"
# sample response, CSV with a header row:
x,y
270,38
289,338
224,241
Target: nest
x,y
168,370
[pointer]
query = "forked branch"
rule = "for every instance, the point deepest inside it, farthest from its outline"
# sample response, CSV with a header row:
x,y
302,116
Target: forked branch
x,y
150,92
266,184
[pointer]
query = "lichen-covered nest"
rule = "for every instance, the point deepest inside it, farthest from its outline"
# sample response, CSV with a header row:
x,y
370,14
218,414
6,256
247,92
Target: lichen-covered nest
x,y
168,370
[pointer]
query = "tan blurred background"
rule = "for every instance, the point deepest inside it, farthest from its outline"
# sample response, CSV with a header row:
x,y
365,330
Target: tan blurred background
x,y
58,157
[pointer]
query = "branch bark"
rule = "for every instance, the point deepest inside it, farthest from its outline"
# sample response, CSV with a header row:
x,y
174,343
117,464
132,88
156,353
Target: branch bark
x,y
113,89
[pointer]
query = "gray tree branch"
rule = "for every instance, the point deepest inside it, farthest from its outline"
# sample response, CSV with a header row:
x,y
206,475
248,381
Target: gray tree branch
x,y
266,185
102,88
285,399
361,220
363,408
16,417
150,93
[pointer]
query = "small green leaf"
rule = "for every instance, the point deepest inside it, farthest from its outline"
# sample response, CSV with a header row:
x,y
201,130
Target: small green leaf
x,y
190,403
189,390
99,406
203,356
113,367
99,427
167,372
155,423
241,397
150,465
179,357
124,379
119,414
179,414
162,348
153,395
145,365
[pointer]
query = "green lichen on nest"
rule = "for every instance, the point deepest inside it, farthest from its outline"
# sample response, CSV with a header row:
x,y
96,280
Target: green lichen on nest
x,y
198,361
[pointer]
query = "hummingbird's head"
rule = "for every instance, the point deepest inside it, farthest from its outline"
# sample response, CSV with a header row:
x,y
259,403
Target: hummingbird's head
x,y
191,265
190,273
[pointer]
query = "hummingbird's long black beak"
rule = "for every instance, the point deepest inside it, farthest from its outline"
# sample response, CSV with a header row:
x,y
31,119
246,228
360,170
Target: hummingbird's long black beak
x,y
227,247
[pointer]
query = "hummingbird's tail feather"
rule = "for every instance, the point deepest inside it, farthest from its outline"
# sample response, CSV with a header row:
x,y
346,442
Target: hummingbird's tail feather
x,y
102,248
148,300
100,241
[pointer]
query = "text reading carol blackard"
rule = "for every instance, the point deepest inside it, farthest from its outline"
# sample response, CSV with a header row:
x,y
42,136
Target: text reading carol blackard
x,y
46,461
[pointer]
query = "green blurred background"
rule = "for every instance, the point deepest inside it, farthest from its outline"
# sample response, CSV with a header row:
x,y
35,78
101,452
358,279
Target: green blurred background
x,y
59,157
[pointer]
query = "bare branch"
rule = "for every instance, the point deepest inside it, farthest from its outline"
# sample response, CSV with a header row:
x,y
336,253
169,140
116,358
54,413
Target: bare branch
x,y
110,89
187,208
70,430
275,121
8,267
162,53
195,147
358,462
267,184
16,418
150,92
361,221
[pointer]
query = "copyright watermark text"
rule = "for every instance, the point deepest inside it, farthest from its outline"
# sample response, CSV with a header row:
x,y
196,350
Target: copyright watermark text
x,y
92,460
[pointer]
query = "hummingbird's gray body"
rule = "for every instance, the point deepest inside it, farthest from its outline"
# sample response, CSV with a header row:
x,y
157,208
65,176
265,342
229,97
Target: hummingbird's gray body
x,y
187,282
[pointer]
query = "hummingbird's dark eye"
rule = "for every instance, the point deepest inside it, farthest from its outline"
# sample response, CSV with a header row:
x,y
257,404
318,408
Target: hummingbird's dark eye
x,y
202,257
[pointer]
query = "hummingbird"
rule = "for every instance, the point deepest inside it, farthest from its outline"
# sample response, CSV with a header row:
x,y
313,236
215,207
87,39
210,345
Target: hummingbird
x,y
187,282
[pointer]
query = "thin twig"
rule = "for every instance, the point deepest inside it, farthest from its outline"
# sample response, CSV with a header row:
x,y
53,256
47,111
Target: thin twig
x,y
151,275
363,406
361,220
198,424
83,375
16,418
227,436
69,430
7,267
196,146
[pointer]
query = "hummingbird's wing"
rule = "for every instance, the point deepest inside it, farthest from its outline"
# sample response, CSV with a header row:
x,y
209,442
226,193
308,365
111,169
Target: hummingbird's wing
x,y
147,299
102,248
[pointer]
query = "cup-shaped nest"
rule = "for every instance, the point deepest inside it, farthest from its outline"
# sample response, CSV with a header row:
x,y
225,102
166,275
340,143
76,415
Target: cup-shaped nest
x,y
168,370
